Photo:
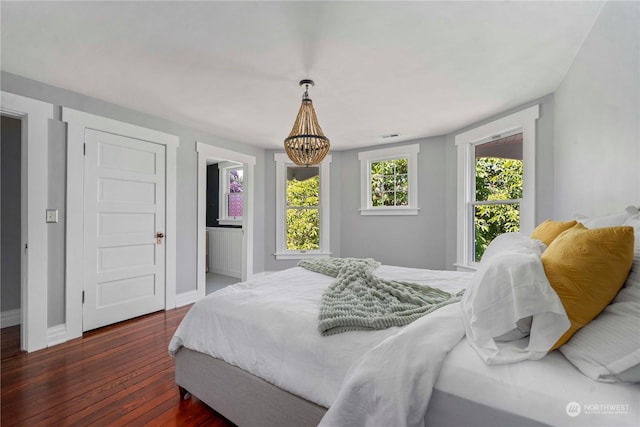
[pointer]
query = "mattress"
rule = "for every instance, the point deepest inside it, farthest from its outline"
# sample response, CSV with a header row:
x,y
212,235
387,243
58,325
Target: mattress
x,y
545,390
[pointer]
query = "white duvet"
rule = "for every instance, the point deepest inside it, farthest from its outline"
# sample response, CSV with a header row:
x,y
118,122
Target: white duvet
x,y
268,327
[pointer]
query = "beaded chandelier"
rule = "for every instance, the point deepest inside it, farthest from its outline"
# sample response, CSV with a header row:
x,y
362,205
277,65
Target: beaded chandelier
x,y
306,145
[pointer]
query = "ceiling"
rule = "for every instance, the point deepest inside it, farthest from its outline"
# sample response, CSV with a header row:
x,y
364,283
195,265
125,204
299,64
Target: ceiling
x,y
415,69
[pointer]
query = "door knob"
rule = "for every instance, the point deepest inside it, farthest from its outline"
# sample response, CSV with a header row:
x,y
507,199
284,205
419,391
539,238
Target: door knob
x,y
159,237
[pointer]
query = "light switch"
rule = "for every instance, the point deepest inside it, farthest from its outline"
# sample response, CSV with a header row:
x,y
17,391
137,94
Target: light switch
x,y
52,215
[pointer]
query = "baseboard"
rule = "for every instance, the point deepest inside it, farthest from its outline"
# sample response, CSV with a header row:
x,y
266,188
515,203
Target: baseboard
x,y
56,335
261,274
226,272
11,318
186,298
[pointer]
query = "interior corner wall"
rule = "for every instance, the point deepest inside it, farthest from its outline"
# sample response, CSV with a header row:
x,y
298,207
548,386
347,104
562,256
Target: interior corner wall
x,y
186,188
411,241
597,130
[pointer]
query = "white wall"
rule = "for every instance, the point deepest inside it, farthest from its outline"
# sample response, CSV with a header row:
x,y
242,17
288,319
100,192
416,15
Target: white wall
x,y
225,251
597,126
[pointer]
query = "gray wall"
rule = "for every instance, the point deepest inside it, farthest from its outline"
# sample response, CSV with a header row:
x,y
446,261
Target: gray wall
x,y
186,182
56,199
412,240
597,129
544,171
10,226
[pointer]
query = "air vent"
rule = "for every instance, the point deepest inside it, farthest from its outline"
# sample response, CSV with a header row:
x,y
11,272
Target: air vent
x,y
390,135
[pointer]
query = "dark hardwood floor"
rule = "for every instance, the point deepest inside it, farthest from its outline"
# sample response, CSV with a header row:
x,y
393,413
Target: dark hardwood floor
x,y
117,375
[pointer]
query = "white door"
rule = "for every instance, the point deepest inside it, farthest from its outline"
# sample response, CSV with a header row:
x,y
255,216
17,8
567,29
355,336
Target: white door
x,y
124,215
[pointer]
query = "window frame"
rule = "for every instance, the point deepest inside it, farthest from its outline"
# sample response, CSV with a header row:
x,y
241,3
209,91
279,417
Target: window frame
x,y
366,158
223,189
282,253
523,121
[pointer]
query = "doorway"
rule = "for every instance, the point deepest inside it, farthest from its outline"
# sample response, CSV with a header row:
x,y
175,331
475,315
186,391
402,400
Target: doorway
x,y
34,118
208,155
11,232
225,210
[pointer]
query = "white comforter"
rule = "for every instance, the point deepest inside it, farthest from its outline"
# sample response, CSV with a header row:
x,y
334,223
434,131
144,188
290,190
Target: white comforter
x,y
392,383
268,327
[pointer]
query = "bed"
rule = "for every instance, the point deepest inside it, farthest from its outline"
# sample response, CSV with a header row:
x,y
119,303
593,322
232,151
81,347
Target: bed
x,y
252,352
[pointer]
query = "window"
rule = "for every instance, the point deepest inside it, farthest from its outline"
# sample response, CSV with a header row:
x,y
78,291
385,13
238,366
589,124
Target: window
x,y
389,181
498,190
496,176
302,209
231,194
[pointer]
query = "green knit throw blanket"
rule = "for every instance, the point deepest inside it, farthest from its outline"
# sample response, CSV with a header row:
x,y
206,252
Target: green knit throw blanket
x,y
360,301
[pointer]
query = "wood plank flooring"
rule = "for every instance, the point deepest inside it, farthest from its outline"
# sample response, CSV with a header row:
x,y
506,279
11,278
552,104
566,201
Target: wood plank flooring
x,y
116,375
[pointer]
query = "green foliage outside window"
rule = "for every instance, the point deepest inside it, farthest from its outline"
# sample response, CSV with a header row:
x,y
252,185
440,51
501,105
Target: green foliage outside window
x,y
303,214
496,179
390,183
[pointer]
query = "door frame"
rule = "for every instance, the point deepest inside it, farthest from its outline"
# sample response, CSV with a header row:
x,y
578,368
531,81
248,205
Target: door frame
x,y
207,152
77,122
34,116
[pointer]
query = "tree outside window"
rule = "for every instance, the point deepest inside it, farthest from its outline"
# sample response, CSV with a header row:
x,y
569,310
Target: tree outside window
x,y
389,180
390,183
231,193
234,196
303,210
498,194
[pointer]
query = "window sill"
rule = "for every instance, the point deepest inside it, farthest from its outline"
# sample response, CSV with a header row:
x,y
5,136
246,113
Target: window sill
x,y
389,211
230,221
301,255
466,267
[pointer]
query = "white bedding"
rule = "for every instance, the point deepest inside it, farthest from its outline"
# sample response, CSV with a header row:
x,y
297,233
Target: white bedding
x,y
256,326
253,325
539,389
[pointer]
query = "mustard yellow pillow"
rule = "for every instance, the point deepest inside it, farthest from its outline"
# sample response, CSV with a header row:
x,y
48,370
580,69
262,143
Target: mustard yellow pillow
x,y
549,230
587,268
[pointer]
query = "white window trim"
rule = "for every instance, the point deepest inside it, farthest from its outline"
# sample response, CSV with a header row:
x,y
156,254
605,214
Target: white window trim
x,y
282,161
367,157
524,120
223,171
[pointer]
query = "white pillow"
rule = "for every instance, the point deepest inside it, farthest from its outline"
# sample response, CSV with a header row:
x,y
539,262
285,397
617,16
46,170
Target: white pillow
x,y
509,287
612,220
634,275
511,242
608,348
